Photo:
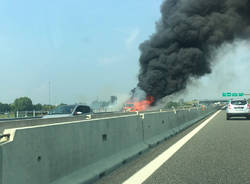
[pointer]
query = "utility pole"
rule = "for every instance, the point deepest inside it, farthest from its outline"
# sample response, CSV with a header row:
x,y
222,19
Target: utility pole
x,y
49,92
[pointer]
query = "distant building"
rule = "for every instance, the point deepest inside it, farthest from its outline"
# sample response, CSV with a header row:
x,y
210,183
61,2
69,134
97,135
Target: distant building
x,y
113,99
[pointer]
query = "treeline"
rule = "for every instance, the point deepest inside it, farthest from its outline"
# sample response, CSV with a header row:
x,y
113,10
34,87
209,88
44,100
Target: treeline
x,y
24,104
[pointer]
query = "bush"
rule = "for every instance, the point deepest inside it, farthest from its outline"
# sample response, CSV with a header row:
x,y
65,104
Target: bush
x,y
170,105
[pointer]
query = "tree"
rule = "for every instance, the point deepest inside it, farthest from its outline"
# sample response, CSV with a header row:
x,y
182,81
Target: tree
x,y
48,107
38,107
4,107
23,104
169,105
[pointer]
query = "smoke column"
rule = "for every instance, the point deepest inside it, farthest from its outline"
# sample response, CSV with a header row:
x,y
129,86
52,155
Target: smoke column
x,y
186,35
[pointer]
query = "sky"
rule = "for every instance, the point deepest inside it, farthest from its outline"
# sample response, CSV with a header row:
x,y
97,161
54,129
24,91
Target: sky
x,y
84,49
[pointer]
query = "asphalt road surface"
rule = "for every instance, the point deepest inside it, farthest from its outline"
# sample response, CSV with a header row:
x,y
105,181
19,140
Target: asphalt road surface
x,y
219,153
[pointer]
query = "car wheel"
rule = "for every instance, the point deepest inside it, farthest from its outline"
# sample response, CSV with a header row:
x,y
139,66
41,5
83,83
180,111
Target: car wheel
x,y
248,117
228,117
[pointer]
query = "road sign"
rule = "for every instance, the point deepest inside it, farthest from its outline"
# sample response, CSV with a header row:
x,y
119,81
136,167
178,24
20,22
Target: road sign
x,y
233,94
241,94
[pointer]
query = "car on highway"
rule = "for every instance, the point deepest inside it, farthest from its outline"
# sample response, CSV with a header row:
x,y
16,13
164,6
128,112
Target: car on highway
x,y
238,108
128,107
69,111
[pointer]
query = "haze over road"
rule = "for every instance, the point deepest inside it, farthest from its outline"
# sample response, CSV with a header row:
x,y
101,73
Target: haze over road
x,y
218,153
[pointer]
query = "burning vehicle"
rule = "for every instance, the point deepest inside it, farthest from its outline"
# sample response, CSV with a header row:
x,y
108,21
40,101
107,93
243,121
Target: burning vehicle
x,y
128,107
134,104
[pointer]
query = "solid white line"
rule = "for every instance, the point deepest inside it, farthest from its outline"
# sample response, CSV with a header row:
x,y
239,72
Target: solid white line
x,y
155,164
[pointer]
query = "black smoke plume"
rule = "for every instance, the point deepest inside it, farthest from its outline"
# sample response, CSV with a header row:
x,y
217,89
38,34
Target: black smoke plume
x,y
182,46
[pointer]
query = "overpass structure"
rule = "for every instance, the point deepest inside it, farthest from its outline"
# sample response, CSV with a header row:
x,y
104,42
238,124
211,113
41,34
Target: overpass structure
x,y
221,100
192,145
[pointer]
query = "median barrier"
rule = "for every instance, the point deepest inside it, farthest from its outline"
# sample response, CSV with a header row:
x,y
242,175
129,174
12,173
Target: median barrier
x,y
82,151
160,126
69,152
17,123
1,165
197,115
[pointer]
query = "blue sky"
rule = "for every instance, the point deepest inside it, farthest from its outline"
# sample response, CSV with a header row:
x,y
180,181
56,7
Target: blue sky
x,y
86,48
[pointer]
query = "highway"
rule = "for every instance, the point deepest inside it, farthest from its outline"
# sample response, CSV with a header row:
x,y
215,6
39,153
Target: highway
x,y
218,153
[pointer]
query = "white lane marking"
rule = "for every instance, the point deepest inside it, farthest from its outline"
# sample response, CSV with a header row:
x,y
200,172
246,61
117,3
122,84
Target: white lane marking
x,y
155,164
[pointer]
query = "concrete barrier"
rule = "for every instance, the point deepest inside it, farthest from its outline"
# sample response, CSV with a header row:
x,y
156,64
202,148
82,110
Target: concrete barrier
x,y
17,123
1,165
160,126
36,121
70,152
82,151
192,117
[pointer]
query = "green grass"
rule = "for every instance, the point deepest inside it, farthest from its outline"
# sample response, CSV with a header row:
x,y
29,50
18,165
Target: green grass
x,y
3,116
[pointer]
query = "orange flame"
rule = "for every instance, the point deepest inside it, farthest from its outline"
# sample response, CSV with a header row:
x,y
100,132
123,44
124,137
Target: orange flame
x,y
138,105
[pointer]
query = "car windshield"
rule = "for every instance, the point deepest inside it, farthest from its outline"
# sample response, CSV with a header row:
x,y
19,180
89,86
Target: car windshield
x,y
239,102
65,109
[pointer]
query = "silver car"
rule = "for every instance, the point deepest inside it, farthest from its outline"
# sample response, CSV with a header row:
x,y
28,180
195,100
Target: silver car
x,y
238,108
68,111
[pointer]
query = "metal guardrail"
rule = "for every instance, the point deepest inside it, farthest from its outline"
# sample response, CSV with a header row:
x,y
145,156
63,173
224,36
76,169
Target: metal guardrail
x,y
11,119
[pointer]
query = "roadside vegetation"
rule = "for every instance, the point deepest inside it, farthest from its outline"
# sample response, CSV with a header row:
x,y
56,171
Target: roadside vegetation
x,y
22,104
176,105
